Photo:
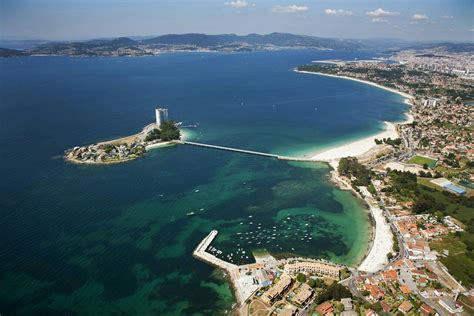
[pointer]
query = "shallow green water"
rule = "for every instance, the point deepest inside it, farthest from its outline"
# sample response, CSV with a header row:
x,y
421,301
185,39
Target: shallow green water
x,y
116,239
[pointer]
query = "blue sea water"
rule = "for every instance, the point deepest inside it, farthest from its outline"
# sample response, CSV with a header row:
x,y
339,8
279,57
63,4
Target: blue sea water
x,y
115,239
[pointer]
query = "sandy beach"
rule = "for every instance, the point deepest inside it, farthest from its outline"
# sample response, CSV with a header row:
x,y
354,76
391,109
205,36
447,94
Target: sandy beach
x,y
382,242
359,147
403,94
356,148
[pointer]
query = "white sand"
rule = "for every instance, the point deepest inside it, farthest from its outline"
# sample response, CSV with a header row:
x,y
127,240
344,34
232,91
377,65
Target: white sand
x,y
403,94
356,148
381,246
382,243
360,147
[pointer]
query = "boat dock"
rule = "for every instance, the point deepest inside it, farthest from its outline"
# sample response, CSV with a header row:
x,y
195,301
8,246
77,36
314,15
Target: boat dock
x,y
241,292
201,253
244,151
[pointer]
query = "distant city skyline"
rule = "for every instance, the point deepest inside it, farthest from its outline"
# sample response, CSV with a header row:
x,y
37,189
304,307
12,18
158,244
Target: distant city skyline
x,y
425,20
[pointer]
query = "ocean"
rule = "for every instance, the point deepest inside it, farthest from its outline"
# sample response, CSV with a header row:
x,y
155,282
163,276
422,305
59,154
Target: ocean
x,y
116,239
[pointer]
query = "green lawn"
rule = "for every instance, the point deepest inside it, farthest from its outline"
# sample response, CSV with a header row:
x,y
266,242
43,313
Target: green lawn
x,y
459,262
453,207
419,160
427,182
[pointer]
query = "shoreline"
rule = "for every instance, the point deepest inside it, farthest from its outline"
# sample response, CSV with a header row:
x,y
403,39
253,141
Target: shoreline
x,y
381,242
359,147
403,94
185,135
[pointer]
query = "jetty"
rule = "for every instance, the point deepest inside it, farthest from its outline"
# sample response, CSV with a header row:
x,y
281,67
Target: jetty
x,y
244,151
201,253
241,291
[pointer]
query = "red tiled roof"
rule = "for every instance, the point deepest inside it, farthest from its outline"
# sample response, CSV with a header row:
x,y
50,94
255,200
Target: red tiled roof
x,y
426,310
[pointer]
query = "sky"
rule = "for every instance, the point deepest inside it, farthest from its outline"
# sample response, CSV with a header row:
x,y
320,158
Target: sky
x,y
423,20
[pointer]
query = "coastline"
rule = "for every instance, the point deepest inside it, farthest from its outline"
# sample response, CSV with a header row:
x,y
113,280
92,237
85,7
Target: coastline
x,y
185,135
381,236
403,94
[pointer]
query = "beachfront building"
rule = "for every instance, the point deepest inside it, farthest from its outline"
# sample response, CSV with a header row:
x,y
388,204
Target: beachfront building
x,y
314,267
161,116
278,289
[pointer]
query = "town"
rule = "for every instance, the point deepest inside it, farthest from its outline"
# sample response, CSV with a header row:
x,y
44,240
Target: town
x,y
423,184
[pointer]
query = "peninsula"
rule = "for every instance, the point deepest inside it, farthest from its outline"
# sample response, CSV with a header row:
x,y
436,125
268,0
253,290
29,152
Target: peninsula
x,y
159,133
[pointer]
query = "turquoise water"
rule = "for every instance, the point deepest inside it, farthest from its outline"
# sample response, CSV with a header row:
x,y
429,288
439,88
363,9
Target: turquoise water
x,y
81,240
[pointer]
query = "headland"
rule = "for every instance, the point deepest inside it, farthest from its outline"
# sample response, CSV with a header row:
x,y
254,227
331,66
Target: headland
x,y
158,134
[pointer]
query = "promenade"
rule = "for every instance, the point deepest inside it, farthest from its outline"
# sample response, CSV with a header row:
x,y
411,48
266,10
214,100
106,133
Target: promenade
x,y
244,151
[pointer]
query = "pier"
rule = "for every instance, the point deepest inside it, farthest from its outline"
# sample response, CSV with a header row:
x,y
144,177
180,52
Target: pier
x,y
200,253
241,292
244,151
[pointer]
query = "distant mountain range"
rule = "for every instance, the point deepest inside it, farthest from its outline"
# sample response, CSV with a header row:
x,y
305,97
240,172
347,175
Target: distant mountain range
x,y
124,46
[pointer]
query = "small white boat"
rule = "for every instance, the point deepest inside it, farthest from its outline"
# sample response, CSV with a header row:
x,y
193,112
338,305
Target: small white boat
x,y
190,213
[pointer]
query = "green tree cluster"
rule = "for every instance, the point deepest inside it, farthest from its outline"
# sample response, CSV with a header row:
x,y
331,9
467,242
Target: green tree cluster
x,y
335,291
350,167
316,283
169,131
154,134
301,277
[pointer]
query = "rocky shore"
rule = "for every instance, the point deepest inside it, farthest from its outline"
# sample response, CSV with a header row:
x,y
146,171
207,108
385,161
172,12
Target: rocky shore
x,y
105,153
126,148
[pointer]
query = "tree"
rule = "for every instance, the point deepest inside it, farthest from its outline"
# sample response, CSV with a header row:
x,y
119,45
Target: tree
x,y
350,167
169,131
301,277
153,135
425,166
316,283
335,291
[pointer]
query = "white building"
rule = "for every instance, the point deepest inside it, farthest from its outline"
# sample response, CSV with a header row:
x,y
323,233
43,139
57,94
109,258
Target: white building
x,y
161,116
431,102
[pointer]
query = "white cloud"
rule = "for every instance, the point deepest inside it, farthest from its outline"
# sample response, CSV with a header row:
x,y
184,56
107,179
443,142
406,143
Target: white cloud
x,y
471,30
338,12
238,4
381,12
419,17
447,17
289,8
379,20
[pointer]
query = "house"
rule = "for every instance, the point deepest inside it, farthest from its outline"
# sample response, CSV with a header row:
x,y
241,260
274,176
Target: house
x,y
405,307
385,307
325,308
304,294
390,275
405,289
427,310
422,281
278,289
369,312
375,292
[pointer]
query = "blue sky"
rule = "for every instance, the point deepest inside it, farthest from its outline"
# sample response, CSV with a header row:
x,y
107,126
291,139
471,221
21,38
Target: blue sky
x,y
81,19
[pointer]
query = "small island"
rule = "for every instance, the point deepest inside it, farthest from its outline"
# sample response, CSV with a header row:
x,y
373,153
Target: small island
x,y
159,133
